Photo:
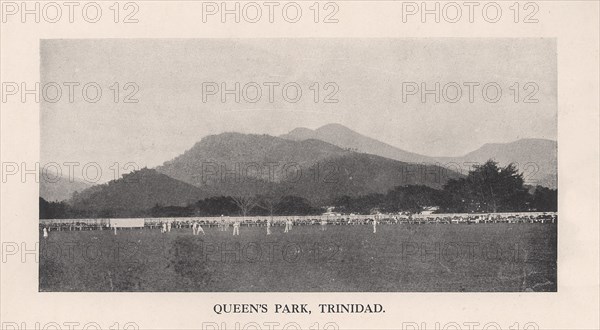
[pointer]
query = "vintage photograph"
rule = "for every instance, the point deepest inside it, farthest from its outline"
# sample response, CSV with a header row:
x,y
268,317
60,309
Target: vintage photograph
x,y
298,165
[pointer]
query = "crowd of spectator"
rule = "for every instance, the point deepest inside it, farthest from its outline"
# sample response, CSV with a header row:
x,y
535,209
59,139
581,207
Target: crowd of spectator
x,y
336,220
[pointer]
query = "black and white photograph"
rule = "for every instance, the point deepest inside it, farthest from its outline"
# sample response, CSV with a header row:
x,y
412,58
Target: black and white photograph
x,y
298,165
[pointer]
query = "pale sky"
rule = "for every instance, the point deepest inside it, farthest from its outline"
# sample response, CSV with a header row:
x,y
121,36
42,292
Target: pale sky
x,y
171,115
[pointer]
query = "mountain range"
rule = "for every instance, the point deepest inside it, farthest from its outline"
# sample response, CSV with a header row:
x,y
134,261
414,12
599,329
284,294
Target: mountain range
x,y
536,158
319,165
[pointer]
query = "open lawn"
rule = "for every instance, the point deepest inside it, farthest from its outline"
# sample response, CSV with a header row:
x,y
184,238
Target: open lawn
x,y
476,257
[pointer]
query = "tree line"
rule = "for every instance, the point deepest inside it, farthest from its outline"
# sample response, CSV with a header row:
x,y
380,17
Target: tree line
x,y
208,207
487,188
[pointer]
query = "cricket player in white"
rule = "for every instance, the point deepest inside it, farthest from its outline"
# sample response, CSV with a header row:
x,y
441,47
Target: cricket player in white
x,y
164,228
194,225
236,228
45,232
168,227
199,230
268,227
323,224
375,226
287,226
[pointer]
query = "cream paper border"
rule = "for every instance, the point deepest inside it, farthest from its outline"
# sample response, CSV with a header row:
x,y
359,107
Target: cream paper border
x,y
575,26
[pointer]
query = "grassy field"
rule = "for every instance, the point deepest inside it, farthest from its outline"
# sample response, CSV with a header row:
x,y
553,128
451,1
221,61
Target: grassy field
x,y
453,258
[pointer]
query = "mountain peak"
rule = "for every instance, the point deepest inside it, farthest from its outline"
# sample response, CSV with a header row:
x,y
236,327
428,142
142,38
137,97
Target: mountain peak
x,y
344,137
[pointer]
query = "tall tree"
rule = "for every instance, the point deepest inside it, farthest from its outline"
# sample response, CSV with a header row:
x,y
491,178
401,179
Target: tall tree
x,y
488,188
245,202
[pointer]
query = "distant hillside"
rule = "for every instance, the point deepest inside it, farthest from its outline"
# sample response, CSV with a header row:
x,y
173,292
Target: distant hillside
x,y
59,188
137,191
344,137
223,157
358,174
536,158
